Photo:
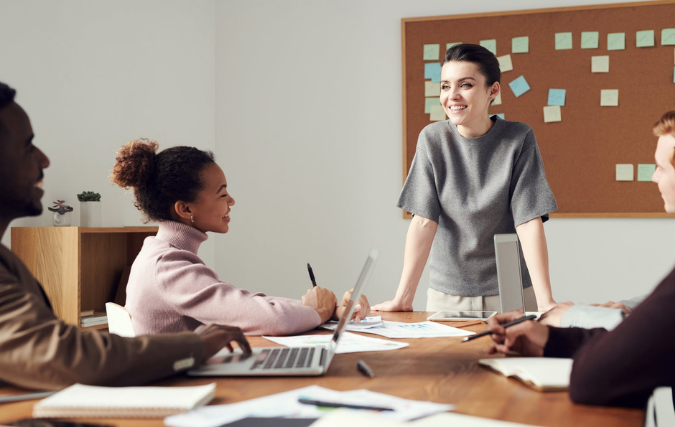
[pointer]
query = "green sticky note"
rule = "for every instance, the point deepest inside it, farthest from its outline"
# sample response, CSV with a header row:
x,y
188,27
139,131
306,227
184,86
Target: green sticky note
x,y
437,113
449,45
668,36
644,38
431,52
563,41
430,102
589,39
520,44
490,45
616,41
645,172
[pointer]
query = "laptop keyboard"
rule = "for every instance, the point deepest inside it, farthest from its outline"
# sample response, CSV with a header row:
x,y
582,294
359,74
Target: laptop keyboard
x,y
284,358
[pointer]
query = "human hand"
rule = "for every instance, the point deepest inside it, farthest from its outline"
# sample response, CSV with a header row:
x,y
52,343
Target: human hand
x,y
361,310
322,300
553,317
527,338
218,336
617,305
393,305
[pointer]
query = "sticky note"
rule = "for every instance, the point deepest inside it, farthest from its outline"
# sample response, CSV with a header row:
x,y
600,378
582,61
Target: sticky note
x,y
505,63
498,99
432,71
437,113
432,89
431,52
609,97
556,97
600,64
645,172
668,36
563,41
624,172
449,45
519,86
589,39
552,114
673,75
616,41
500,115
490,45
644,38
430,102
520,44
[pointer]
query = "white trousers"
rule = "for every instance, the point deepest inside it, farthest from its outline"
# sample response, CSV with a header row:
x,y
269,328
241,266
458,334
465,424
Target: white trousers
x,y
437,301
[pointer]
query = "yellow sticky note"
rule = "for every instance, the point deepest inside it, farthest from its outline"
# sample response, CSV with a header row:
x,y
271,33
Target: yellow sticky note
x,y
600,64
505,63
432,89
624,172
498,99
552,114
609,97
437,113
431,52
644,38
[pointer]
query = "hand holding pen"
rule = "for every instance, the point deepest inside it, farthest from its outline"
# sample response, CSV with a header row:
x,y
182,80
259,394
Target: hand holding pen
x,y
523,337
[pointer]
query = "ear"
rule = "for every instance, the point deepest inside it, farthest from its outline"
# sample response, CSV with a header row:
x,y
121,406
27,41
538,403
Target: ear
x,y
494,90
183,210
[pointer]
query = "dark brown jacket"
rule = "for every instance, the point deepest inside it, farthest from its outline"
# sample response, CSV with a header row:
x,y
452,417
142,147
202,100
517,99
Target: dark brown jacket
x,y
39,351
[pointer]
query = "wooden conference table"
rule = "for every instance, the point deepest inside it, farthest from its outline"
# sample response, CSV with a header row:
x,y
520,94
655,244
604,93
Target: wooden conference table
x,y
440,370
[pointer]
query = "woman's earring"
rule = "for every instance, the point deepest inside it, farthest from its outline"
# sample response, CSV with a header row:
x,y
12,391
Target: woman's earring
x,y
192,219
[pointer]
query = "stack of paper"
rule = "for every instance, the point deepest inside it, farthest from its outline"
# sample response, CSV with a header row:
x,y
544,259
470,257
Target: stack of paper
x,y
93,318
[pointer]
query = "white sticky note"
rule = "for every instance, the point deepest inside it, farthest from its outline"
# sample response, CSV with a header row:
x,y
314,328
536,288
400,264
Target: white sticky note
x,y
505,63
432,89
498,99
437,113
600,64
609,97
624,172
490,45
552,114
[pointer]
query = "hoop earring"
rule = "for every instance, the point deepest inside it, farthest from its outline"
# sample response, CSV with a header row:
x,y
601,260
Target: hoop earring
x,y
192,219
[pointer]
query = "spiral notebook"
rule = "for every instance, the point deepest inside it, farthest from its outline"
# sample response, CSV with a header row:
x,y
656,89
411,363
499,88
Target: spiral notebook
x,y
123,402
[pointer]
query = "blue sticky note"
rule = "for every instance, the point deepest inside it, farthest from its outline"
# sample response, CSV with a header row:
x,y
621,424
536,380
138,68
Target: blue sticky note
x,y
500,115
556,97
519,86
433,71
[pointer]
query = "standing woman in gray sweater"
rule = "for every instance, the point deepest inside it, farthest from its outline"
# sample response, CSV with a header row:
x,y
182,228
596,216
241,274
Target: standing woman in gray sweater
x,y
472,177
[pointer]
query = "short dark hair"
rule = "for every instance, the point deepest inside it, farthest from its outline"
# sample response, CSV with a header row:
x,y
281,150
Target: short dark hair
x,y
160,179
488,65
6,97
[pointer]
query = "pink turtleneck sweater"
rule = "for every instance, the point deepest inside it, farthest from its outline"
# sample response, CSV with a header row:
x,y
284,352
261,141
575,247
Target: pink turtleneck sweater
x,y
170,289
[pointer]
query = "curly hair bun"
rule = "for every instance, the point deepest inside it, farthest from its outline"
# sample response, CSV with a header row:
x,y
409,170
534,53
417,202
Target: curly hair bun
x,y
135,163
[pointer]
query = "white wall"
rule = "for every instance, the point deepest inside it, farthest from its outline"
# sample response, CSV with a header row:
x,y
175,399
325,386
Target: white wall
x,y
308,131
93,75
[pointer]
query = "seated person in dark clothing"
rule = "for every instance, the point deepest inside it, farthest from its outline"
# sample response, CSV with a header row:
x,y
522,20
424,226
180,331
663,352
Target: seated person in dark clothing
x,y
622,366
37,350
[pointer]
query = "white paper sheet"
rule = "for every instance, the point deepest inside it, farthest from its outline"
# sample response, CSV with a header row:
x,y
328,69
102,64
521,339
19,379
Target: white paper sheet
x,y
426,329
368,322
349,343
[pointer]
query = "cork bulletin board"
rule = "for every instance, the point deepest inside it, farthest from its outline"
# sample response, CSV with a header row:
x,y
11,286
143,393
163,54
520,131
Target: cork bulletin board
x,y
582,150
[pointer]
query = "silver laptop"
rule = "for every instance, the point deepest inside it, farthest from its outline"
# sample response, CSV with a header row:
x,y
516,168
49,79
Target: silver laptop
x,y
507,254
287,361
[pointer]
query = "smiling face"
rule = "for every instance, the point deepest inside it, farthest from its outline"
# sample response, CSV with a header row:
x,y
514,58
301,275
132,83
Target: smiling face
x,y
664,175
212,206
21,165
466,97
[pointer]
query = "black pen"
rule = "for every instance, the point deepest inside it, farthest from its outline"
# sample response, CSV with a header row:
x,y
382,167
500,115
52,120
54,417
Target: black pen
x,y
311,275
340,405
365,369
506,325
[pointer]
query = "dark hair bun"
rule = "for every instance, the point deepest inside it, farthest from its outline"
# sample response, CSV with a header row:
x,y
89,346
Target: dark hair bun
x,y
135,164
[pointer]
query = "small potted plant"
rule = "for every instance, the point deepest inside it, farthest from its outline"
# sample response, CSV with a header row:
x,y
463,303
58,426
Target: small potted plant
x,y
90,209
61,213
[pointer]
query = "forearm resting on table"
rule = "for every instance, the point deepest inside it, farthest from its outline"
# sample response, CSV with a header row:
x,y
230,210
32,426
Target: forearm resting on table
x,y
417,246
535,251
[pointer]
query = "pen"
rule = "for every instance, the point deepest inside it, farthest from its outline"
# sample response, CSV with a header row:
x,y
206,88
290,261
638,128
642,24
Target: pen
x,y
506,325
365,369
27,396
340,405
311,275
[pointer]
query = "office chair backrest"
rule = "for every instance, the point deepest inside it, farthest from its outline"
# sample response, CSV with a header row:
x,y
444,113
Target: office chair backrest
x,y
119,320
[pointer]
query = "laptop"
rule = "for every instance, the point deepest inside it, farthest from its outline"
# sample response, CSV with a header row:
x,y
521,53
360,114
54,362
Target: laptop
x,y
507,254
287,361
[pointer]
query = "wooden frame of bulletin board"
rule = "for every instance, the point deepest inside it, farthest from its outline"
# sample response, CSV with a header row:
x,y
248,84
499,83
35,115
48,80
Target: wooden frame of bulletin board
x,y
581,152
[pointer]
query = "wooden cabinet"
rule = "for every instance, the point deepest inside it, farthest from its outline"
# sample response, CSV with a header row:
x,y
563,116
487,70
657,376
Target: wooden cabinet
x,y
79,267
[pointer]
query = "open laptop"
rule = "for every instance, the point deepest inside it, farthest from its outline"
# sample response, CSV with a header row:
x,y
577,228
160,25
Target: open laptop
x,y
507,254
287,361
